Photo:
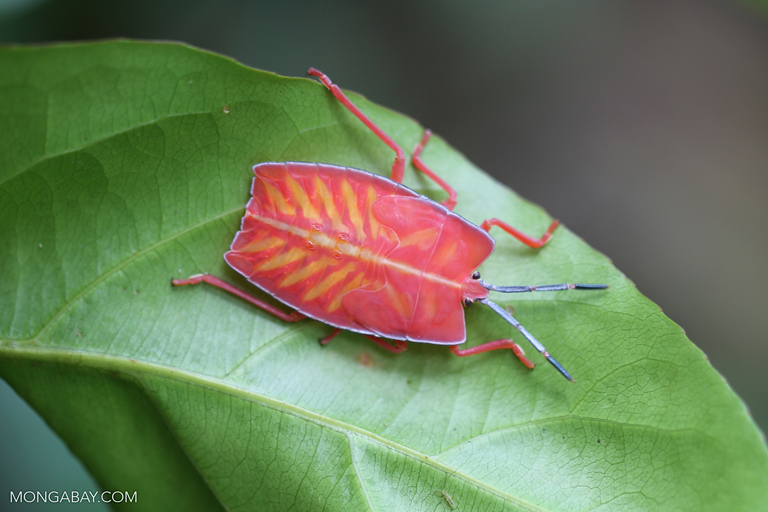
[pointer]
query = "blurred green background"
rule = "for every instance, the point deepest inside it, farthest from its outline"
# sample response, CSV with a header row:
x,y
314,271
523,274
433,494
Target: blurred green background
x,y
642,125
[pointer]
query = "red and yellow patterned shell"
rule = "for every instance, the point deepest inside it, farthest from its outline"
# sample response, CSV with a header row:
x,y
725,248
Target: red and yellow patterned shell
x,y
360,252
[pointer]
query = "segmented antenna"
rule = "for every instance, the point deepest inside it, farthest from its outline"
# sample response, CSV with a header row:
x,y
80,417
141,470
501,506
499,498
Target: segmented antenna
x,y
543,288
509,318
503,313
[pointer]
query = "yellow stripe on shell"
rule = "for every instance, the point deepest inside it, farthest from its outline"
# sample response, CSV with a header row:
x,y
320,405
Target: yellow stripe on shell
x,y
302,199
354,283
328,282
305,272
327,200
281,204
282,260
350,199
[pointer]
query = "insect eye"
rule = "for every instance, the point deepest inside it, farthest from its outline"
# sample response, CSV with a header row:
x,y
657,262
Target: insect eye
x,y
467,302
476,275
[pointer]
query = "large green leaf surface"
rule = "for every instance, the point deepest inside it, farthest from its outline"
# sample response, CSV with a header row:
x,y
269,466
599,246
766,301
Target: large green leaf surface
x,y
124,165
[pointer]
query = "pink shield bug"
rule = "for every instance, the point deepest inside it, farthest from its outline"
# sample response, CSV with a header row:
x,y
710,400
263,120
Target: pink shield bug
x,y
364,253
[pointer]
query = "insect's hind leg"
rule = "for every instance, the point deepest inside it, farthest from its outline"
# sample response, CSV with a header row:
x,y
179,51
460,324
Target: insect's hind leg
x,y
293,316
398,167
494,345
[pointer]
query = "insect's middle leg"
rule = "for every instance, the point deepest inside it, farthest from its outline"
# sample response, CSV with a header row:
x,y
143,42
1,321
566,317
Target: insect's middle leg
x,y
335,332
494,345
450,202
398,347
398,167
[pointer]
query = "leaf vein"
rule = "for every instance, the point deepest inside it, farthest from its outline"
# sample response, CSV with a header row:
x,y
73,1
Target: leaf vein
x,y
93,142
125,263
357,472
137,369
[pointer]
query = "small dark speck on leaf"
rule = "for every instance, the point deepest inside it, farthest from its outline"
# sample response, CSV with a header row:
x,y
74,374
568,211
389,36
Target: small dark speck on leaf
x,y
598,441
365,359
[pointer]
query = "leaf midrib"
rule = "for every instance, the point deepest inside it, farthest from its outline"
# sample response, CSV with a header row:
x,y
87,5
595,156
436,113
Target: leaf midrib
x,y
135,369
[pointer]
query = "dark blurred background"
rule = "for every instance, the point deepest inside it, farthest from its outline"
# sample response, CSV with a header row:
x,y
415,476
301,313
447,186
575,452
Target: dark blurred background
x,y
642,125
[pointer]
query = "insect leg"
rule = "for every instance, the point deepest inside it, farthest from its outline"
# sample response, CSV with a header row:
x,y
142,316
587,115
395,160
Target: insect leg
x,y
335,332
400,345
503,313
398,167
527,240
450,202
494,345
294,316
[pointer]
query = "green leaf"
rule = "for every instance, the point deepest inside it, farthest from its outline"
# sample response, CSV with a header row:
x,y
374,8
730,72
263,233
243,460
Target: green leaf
x,y
125,164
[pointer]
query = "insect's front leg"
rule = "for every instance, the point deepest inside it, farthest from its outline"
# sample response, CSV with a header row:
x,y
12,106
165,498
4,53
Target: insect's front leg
x,y
494,345
528,240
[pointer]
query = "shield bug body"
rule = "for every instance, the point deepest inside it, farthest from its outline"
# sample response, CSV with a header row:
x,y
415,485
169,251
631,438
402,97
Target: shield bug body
x,y
364,253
